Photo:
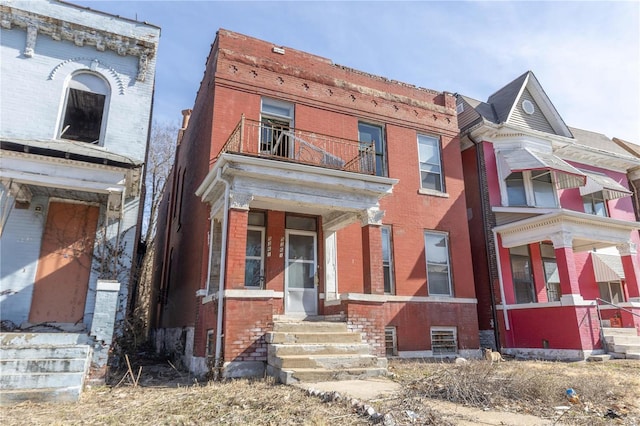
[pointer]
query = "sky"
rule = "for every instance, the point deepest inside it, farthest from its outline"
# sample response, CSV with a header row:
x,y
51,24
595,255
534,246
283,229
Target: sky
x,y
586,54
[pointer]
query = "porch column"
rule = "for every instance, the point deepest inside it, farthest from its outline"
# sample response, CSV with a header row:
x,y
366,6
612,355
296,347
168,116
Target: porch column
x,y
629,256
237,240
563,247
372,252
331,266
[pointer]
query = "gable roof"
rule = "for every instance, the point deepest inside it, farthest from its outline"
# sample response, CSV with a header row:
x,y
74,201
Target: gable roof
x,y
504,106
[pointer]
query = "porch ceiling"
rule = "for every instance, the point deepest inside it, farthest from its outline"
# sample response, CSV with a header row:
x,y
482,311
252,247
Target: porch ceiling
x,y
585,231
338,196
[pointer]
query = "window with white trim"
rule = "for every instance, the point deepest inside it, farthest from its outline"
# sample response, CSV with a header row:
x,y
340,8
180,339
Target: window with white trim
x,y
438,263
430,163
387,260
444,340
595,204
254,259
534,188
85,105
611,291
551,277
276,119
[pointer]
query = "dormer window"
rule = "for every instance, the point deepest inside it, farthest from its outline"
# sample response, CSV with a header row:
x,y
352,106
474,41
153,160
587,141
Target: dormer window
x,y
86,101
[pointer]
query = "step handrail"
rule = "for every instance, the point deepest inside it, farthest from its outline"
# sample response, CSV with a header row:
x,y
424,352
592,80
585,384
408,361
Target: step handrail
x,y
605,346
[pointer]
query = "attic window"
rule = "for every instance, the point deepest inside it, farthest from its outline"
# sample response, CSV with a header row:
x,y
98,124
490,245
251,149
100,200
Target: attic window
x,y
528,107
460,108
83,120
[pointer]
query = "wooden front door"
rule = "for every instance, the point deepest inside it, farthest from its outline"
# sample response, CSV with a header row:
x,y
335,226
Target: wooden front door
x,y
62,277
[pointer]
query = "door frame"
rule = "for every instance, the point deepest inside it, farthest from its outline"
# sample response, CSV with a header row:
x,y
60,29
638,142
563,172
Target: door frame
x,y
314,234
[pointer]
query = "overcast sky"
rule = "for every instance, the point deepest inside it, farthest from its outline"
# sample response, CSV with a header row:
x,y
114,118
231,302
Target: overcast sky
x,y
585,54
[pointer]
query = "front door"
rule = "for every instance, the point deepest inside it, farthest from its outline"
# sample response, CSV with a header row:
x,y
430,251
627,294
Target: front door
x,y
62,276
301,294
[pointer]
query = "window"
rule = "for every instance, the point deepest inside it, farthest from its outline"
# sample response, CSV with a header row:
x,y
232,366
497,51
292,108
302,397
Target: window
x,y
531,188
550,266
301,223
430,163
595,203
211,343
523,286
254,259
368,134
387,260
438,269
276,123
611,291
444,340
515,189
86,101
390,341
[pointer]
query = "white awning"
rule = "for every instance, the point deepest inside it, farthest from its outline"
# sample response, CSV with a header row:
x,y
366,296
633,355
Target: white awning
x,y
566,176
598,182
607,267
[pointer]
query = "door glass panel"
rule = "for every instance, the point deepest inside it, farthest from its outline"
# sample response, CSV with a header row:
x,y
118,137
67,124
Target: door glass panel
x,y
301,247
301,275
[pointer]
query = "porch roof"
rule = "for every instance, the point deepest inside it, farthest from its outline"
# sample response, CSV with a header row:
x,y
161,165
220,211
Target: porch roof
x,y
585,231
340,197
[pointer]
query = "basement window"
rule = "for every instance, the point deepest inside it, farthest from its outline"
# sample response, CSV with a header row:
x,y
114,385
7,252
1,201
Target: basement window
x,y
86,99
210,343
444,340
390,341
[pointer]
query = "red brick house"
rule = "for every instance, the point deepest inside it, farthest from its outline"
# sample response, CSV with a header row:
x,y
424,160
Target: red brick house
x,y
304,189
552,222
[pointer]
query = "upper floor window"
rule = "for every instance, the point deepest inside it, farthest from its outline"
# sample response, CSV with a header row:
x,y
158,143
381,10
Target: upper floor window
x,y
430,163
85,106
277,120
438,265
369,133
595,203
531,188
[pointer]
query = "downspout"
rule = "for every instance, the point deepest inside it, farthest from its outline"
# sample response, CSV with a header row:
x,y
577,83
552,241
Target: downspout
x,y
487,245
505,311
223,267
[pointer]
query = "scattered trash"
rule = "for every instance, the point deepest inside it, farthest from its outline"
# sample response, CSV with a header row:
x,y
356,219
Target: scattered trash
x,y
572,396
612,414
460,360
412,415
562,408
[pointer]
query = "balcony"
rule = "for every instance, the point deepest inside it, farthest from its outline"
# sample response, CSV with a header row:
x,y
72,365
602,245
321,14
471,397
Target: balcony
x,y
281,143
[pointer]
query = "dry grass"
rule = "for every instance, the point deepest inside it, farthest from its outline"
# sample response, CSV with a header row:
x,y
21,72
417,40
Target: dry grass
x,y
532,387
168,397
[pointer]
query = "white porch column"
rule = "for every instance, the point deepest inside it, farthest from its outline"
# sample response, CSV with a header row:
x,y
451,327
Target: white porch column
x,y
331,265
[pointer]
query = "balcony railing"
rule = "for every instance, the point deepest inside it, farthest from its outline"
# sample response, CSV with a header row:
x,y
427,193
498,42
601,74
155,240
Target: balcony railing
x,y
278,142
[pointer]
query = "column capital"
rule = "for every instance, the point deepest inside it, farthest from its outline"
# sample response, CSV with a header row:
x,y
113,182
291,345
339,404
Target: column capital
x,y
372,216
240,200
627,249
562,240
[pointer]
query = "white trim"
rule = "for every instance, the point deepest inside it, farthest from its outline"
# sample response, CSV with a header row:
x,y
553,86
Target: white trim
x,y
384,298
433,192
107,285
252,294
433,232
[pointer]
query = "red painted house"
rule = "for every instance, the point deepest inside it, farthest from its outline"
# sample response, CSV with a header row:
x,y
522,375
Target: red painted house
x,y
552,222
303,189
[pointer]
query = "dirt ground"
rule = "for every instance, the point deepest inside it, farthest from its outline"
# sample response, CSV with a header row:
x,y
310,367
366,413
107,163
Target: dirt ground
x,y
509,393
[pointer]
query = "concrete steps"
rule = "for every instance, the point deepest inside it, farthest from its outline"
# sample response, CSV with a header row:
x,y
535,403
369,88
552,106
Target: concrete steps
x,y
313,351
42,367
622,342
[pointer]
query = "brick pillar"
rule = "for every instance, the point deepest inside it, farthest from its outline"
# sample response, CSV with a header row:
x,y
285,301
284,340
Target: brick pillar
x,y
237,239
372,259
629,256
563,247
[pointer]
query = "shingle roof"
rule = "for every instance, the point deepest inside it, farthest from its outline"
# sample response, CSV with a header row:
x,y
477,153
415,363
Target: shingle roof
x,y
503,99
597,141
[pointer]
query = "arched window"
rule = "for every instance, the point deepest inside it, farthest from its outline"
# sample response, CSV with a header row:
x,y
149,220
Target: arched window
x,y
84,114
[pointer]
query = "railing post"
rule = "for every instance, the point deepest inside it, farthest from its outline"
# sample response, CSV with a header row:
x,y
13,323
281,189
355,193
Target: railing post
x,y
241,131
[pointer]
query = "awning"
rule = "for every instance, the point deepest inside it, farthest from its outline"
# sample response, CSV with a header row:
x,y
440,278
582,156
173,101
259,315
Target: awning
x,y
598,182
518,160
607,267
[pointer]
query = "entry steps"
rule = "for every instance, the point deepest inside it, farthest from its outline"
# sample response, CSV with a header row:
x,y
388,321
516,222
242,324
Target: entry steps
x,y
622,342
316,351
42,367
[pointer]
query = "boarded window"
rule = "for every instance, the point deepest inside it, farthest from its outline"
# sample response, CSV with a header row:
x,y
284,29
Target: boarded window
x,y
444,341
390,341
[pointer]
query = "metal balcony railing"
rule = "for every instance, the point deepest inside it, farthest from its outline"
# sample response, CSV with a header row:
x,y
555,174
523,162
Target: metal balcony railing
x,y
277,142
